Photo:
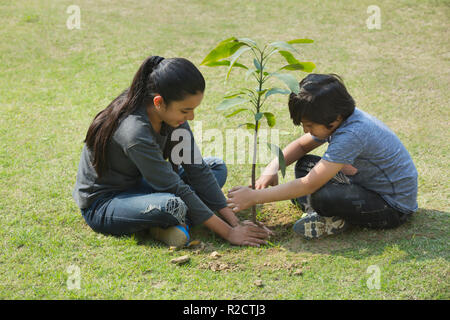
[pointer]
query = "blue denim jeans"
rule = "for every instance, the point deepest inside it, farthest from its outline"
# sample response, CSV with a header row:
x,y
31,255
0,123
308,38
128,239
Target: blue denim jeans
x,y
140,208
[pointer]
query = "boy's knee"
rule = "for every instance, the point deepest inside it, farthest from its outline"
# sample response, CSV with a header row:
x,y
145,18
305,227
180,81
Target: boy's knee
x,y
320,199
305,164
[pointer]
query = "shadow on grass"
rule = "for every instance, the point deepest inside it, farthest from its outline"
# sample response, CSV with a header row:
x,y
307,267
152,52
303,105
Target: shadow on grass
x,y
424,236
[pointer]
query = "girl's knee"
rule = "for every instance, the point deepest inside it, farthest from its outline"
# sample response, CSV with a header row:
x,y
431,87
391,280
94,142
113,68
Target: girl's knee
x,y
215,162
172,205
177,208
219,169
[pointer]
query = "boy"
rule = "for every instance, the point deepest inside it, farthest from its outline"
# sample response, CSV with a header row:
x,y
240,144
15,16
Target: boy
x,y
366,176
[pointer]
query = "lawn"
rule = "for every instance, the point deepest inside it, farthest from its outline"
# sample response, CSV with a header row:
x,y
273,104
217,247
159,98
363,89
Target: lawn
x,y
54,80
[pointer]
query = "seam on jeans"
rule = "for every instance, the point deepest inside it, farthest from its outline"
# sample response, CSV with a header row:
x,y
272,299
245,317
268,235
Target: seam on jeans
x,y
125,219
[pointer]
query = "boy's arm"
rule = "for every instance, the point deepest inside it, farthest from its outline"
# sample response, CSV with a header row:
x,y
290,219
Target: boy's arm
x,y
295,150
292,152
240,198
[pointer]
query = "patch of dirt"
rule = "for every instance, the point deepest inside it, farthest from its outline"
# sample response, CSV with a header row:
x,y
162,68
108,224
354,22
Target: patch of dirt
x,y
218,266
286,266
278,217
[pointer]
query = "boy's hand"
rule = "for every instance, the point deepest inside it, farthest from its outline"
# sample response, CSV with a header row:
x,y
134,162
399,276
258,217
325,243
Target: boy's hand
x,y
349,170
240,198
265,181
260,225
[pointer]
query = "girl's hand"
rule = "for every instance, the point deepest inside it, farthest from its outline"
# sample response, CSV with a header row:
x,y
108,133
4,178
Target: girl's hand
x,y
247,234
241,198
265,181
229,216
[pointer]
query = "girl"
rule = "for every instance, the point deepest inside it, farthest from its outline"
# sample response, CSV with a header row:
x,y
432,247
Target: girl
x,y
124,183
366,176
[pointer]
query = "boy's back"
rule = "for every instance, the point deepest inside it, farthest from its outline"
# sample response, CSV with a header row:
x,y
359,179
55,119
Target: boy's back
x,y
384,165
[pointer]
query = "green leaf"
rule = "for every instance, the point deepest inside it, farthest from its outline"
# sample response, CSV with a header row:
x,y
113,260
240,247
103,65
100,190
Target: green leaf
x,y
304,66
260,93
258,116
283,45
264,73
247,41
270,119
277,91
289,57
250,126
228,103
257,64
223,50
236,112
243,91
281,161
234,57
289,80
224,63
233,95
300,41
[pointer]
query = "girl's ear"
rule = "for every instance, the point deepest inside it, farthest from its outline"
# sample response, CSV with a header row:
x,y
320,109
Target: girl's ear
x,y
158,102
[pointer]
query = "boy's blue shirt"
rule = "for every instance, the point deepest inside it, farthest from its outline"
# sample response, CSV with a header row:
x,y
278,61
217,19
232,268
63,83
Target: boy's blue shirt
x,y
384,165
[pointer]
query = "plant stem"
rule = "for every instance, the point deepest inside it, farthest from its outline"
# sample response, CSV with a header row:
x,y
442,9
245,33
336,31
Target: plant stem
x,y
255,137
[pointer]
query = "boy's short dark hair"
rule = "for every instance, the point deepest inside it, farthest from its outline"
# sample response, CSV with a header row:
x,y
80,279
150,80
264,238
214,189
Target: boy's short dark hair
x,y
322,98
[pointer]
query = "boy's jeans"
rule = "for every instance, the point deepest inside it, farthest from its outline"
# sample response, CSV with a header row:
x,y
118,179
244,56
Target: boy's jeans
x,y
140,208
353,203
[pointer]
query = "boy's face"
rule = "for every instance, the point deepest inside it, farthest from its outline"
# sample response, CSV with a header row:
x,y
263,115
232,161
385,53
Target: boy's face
x,y
319,130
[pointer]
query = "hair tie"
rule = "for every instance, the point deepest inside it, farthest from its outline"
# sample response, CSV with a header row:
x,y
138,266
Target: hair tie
x,y
155,60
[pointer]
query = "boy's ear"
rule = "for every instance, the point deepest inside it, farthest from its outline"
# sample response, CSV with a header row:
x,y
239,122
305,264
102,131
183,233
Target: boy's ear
x,y
337,121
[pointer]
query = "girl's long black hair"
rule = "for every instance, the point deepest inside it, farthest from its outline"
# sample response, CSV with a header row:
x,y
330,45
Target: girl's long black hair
x,y
173,79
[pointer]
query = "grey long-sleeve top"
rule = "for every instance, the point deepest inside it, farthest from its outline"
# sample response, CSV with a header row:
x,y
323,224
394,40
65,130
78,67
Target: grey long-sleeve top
x,y
136,151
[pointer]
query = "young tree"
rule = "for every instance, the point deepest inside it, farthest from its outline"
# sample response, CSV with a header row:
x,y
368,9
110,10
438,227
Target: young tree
x,y
227,52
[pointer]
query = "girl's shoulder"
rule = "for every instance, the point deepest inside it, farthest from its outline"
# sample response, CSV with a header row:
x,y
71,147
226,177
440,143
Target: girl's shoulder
x,y
131,130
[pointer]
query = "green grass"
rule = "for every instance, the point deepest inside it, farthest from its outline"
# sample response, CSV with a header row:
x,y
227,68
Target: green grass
x,y
53,81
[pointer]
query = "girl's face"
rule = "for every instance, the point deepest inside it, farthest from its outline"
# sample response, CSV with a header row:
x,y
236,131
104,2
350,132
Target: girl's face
x,y
319,130
178,112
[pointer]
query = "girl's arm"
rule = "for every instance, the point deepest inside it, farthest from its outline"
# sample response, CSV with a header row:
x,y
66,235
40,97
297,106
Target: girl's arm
x,y
229,216
293,151
240,198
